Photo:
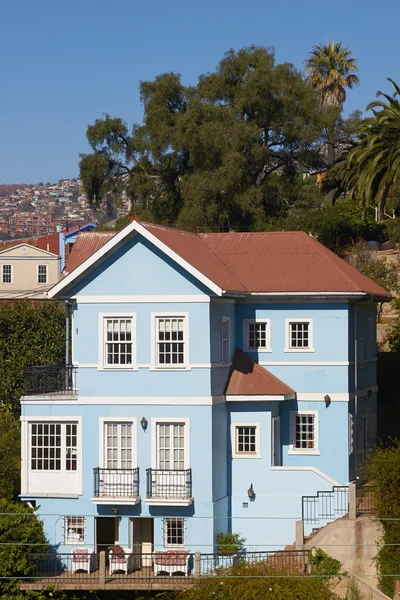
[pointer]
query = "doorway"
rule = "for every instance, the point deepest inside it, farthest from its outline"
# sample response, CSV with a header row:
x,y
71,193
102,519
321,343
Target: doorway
x,y
107,532
142,539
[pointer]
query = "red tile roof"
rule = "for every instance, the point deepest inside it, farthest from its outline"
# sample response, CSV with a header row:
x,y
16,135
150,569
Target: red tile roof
x,y
266,262
247,378
87,243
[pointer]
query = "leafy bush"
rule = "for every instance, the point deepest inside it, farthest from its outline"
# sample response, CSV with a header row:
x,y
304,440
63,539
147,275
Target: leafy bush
x,y
251,581
322,564
383,468
377,268
229,543
10,455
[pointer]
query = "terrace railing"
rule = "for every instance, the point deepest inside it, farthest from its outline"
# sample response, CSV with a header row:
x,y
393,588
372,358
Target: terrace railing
x,y
169,483
325,507
116,483
50,379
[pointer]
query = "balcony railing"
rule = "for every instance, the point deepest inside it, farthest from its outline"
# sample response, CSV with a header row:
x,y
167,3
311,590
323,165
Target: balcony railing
x,y
169,484
116,483
50,379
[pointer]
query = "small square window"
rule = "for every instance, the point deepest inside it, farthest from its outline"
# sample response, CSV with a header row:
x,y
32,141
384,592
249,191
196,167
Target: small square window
x,y
174,531
74,530
245,440
299,335
304,432
256,335
6,273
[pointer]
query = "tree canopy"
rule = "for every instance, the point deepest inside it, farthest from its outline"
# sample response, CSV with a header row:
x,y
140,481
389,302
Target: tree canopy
x,y
205,155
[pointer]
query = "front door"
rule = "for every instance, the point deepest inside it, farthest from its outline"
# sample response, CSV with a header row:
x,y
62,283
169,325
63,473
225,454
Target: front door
x,y
142,542
107,532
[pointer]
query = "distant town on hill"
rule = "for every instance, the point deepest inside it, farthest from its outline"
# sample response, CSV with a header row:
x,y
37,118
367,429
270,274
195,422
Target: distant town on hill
x,y
39,209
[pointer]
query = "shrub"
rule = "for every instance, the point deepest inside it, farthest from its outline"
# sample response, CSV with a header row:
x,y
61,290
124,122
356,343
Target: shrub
x,y
229,543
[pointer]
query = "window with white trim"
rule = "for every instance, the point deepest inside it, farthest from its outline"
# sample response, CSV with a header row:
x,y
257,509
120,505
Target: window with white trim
x,y
299,335
42,273
256,334
53,446
171,446
304,432
174,532
6,273
74,530
245,440
118,445
118,342
225,340
170,342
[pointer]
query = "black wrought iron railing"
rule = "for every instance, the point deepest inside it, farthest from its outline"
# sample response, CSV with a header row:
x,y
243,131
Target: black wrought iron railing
x,y
116,483
50,379
169,483
325,506
366,502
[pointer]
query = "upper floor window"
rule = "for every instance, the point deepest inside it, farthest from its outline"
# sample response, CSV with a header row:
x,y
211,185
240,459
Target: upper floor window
x,y
304,432
53,446
256,334
245,440
171,345
6,274
118,445
299,335
118,341
42,274
225,340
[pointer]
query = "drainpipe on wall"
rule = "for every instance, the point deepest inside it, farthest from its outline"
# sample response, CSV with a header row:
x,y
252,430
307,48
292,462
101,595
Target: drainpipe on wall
x,y
355,428
67,332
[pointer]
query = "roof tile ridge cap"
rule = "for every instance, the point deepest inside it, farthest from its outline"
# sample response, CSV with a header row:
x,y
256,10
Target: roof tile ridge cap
x,y
165,227
199,236
324,251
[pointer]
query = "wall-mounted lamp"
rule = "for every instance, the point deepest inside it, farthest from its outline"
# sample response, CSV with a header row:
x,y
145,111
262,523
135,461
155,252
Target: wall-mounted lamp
x,y
143,423
327,400
115,510
369,394
250,492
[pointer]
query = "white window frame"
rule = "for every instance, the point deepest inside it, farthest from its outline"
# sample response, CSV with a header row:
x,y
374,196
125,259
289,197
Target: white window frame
x,y
308,320
225,359
154,341
246,323
73,542
47,274
102,364
305,451
2,273
103,421
27,473
235,453
154,442
165,531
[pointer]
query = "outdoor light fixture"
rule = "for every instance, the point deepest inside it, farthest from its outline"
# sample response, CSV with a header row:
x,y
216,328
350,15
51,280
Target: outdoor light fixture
x,y
143,423
327,399
369,394
115,510
250,492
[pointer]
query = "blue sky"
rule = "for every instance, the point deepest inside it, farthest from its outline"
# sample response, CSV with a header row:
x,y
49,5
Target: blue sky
x,y
63,64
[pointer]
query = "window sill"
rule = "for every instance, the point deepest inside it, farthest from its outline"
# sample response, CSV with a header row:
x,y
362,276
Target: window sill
x,y
250,456
173,368
304,452
302,350
113,369
260,350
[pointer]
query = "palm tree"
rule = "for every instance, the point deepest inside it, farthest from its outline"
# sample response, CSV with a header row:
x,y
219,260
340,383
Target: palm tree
x,y
331,69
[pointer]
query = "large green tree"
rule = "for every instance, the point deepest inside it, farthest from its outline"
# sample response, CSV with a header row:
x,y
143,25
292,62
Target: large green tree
x,y
204,155
331,69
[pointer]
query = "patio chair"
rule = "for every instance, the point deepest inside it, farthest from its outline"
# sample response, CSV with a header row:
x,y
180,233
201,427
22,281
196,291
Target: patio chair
x,y
118,560
82,560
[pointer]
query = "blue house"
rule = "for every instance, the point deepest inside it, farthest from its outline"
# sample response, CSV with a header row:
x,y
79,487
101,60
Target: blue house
x,y
211,382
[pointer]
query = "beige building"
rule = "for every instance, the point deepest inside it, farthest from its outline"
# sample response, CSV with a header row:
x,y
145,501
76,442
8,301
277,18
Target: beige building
x,y
27,272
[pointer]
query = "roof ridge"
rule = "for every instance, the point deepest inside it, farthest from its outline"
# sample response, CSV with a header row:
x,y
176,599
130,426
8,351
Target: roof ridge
x,y
223,262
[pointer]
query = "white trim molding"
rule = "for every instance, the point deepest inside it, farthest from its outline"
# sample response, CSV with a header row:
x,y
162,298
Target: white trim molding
x,y
123,400
314,451
312,469
249,455
299,320
117,240
249,398
102,365
246,347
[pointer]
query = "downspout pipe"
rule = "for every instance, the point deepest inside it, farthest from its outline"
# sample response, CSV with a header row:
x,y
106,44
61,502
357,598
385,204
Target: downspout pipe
x,y
67,332
355,429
